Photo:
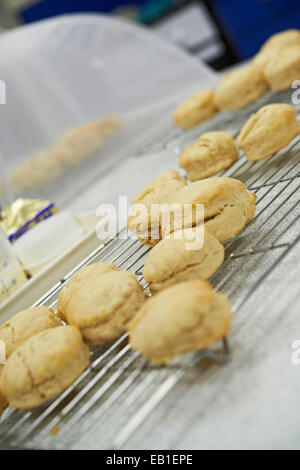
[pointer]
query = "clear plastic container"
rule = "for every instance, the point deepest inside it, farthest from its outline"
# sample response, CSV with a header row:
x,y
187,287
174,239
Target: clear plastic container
x,y
64,72
12,276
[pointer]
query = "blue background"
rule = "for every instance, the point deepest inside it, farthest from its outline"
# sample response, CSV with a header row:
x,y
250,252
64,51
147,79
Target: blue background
x,y
248,23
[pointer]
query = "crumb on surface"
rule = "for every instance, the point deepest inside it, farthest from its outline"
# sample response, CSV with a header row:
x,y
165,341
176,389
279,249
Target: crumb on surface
x,y
54,431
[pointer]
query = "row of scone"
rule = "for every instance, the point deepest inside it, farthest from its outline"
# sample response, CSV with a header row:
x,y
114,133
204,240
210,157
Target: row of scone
x,y
275,67
44,357
266,132
70,149
101,302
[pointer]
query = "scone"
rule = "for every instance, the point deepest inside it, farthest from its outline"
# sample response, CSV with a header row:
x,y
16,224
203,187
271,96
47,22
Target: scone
x,y
279,59
240,87
145,225
268,131
23,326
208,155
283,68
77,282
185,256
183,318
44,366
282,40
198,108
71,148
26,324
228,207
100,300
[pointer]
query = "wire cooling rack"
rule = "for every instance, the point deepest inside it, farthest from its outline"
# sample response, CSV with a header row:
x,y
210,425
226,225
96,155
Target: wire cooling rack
x,y
106,406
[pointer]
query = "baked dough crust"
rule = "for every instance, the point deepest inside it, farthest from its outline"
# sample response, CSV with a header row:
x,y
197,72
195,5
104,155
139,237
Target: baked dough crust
x,y
198,108
283,68
21,327
44,366
228,207
26,324
171,261
240,87
186,317
208,155
282,40
100,300
268,131
279,59
158,191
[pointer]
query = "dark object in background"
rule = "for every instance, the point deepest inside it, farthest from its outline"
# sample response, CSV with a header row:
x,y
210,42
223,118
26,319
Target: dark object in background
x,y
194,27
227,31
248,24
191,25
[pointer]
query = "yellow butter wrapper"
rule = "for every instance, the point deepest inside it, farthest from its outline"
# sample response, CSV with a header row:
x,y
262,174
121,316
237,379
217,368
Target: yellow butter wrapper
x,y
23,214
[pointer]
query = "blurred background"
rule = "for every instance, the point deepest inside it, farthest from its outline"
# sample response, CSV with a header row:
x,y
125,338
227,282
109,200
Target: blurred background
x,y
220,32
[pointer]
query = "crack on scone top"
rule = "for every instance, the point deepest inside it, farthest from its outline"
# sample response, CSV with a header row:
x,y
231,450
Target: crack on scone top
x,y
187,266
13,335
111,317
27,368
212,217
192,225
34,386
196,223
179,271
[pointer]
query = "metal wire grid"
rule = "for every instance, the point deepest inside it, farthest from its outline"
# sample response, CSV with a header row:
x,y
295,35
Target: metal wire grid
x,y
112,398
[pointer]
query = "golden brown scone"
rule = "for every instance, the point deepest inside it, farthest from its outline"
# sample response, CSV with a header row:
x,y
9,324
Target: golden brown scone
x,y
160,188
100,300
183,257
283,68
268,131
77,282
208,155
282,40
198,108
279,59
183,318
228,207
288,37
240,87
26,324
21,327
44,366
158,192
